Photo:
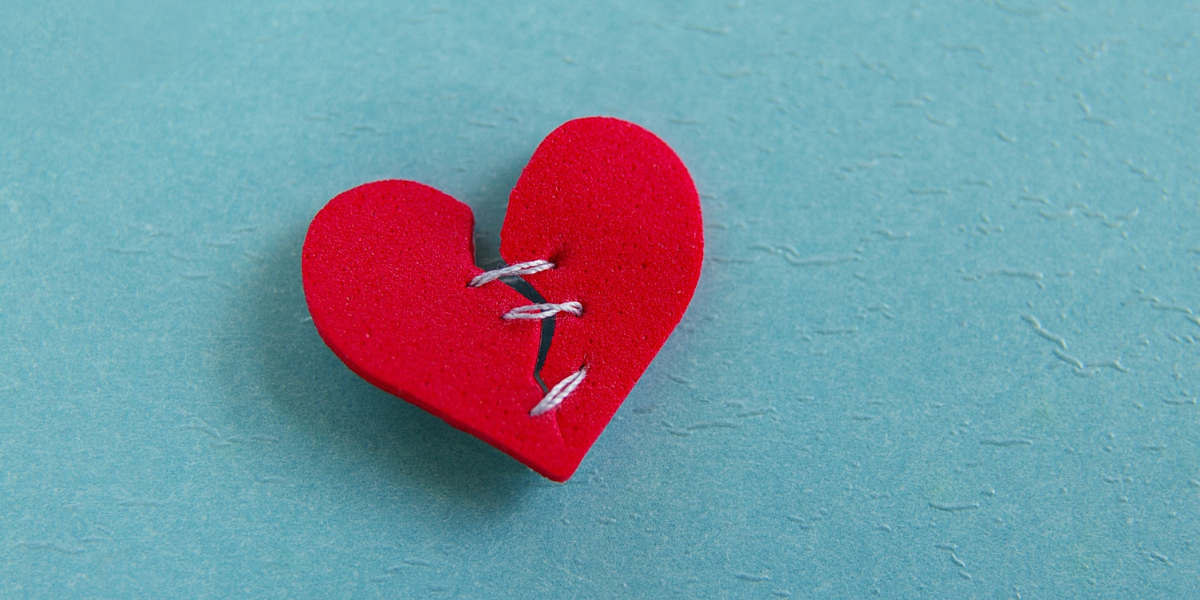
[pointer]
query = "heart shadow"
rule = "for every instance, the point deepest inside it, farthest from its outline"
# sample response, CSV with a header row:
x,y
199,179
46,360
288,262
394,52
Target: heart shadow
x,y
284,363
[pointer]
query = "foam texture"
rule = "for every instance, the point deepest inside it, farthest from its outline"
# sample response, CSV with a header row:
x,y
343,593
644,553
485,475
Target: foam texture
x,y
386,265
385,269
616,211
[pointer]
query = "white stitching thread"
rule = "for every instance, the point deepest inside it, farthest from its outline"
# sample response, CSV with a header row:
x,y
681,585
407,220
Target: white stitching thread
x,y
559,392
544,311
525,268
562,389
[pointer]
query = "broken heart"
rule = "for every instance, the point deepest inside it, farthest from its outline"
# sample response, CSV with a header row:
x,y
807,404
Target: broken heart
x,y
604,223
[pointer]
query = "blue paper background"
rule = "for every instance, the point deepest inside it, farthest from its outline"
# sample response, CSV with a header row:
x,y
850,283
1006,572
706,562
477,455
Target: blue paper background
x,y
945,344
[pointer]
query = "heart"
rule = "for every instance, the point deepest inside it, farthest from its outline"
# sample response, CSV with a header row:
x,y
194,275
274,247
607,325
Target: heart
x,y
388,270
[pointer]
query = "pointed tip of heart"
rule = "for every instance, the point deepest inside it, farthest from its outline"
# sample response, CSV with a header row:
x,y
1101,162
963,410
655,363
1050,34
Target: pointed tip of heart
x,y
557,475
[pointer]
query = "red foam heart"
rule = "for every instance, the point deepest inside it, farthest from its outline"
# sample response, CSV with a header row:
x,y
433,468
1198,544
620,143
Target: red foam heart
x,y
386,267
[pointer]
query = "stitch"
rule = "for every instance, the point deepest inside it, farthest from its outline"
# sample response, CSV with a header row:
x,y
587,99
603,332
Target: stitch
x,y
525,268
559,392
538,311
543,311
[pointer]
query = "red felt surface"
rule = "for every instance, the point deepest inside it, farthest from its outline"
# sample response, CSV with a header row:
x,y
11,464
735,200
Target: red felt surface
x,y
615,209
386,267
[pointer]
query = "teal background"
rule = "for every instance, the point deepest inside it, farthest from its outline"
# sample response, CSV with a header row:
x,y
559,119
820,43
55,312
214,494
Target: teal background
x,y
945,343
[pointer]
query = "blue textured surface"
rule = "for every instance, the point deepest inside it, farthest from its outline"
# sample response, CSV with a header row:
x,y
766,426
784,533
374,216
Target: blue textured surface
x,y
945,344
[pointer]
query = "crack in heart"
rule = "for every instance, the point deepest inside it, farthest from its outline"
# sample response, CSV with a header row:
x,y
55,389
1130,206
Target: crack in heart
x,y
543,311
518,284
